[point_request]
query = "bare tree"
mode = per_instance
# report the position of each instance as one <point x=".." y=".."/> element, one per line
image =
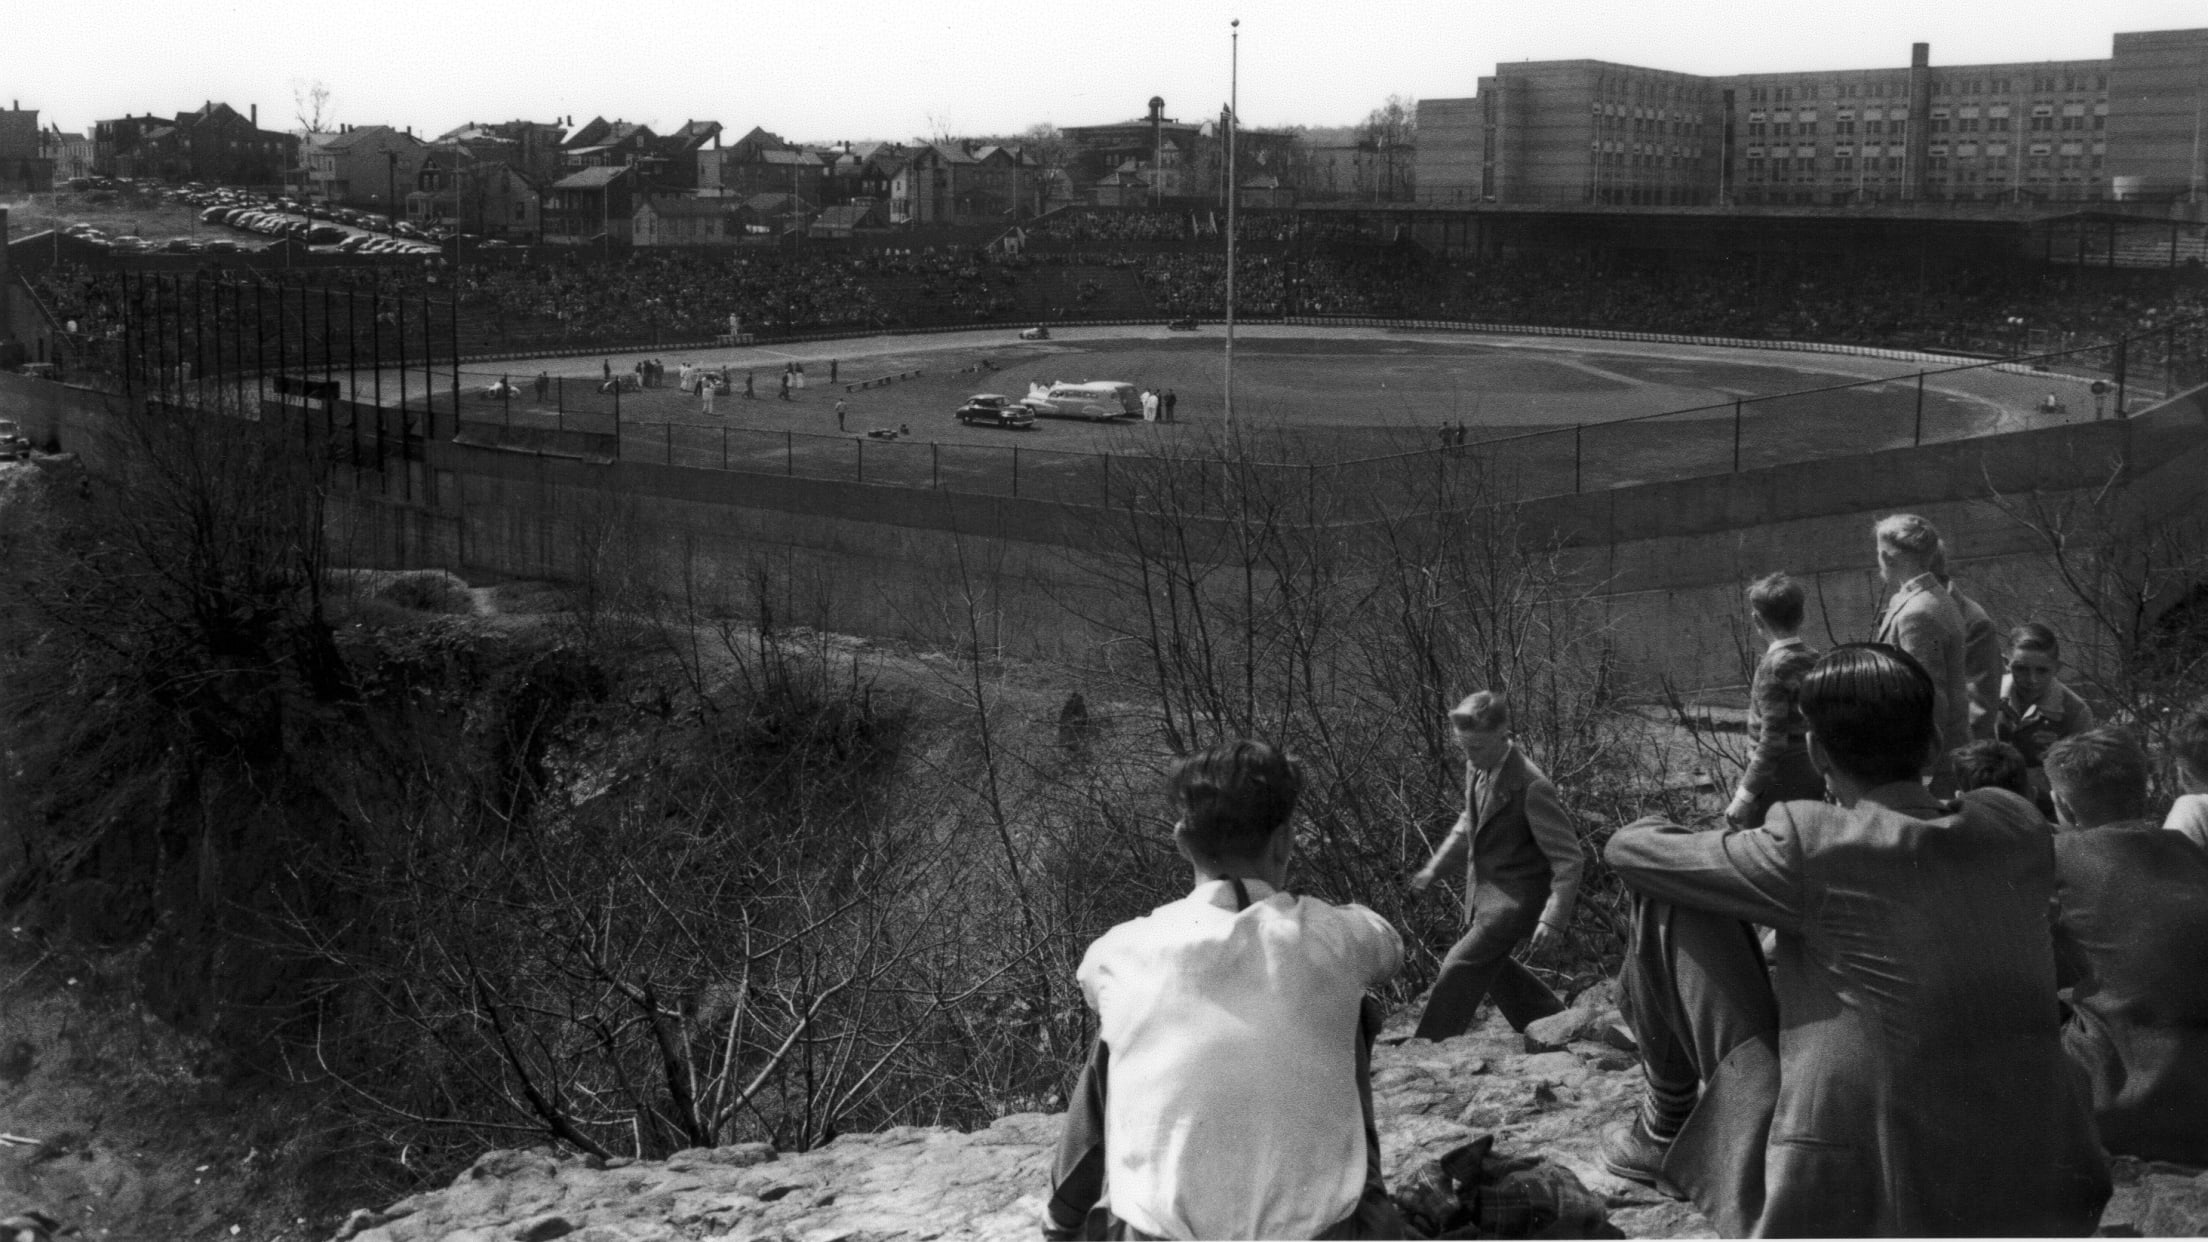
<point x="1047" y="148"/>
<point x="1388" y="138"/>
<point x="311" y="106"/>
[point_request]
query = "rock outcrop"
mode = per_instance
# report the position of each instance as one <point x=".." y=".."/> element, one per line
<point x="1548" y="1093"/>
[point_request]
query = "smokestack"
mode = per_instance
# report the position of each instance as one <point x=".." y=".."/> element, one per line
<point x="256" y="115"/>
<point x="1920" y="55"/>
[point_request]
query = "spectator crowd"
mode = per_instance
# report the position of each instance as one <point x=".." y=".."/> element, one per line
<point x="1940" y="964"/>
<point x="1116" y="266"/>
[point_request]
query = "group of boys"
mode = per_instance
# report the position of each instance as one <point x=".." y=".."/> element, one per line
<point x="1861" y="1007"/>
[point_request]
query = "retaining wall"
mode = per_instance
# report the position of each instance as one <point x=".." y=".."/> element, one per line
<point x="1668" y="559"/>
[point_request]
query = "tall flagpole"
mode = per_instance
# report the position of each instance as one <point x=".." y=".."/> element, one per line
<point x="1234" y="121"/>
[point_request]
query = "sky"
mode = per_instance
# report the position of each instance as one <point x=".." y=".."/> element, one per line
<point x="898" y="69"/>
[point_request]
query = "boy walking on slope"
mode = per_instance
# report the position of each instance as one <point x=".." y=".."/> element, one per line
<point x="1228" y="1095"/>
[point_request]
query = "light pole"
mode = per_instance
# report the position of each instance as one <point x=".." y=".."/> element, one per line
<point x="1234" y="122"/>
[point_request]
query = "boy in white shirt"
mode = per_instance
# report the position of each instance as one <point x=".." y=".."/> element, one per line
<point x="2189" y="755"/>
<point x="1235" y="1036"/>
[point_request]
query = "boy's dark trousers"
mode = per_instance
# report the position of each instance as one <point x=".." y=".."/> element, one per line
<point x="1479" y="965"/>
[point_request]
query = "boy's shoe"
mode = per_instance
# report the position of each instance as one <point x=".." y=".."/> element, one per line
<point x="1631" y="1152"/>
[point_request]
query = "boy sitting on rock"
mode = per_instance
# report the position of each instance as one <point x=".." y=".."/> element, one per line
<point x="1228" y="1095"/>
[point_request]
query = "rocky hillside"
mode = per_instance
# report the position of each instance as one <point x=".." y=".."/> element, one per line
<point x="1535" y="1097"/>
<point x="1550" y="1092"/>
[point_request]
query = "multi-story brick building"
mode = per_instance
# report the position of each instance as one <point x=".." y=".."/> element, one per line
<point x="1594" y="132"/>
<point x="214" y="143"/>
<point x="26" y="158"/>
<point x="1153" y="153"/>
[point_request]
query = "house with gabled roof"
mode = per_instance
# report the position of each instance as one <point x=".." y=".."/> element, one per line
<point x="368" y="166"/>
<point x="593" y="205"/>
<point x="678" y="153"/>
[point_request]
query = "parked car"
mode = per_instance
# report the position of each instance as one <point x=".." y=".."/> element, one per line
<point x="1036" y="333"/>
<point x="1095" y="399"/>
<point x="14" y="445"/>
<point x="1184" y="324"/>
<point x="995" y="410"/>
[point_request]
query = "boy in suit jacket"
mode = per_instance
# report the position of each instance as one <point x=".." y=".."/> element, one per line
<point x="1779" y="769"/>
<point x="1899" y="1067"/>
<point x="1522" y="865"/>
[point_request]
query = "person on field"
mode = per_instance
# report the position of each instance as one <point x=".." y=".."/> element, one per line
<point x="1779" y="769"/>
<point x="1228" y="1094"/>
<point x="2131" y="942"/>
<point x="1522" y="865"/>
<point x="1921" y="619"/>
<point x="1896" y="1067"/>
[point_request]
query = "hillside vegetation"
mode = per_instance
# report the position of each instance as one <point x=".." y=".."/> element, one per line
<point x="405" y="870"/>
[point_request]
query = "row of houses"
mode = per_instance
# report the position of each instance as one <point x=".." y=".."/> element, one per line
<point x="622" y="182"/>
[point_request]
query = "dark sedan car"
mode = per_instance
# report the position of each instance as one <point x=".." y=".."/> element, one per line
<point x="994" y="410"/>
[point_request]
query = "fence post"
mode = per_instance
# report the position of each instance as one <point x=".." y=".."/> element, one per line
<point x="935" y="464"/>
<point x="789" y="452"/>
<point x="559" y="395"/>
<point x="670" y="429"/>
<point x="724" y="448"/>
<point x="1106" y="459"/>
<point x="1578" y="455"/>
<point x="2123" y="358"/>
<point x="1015" y="470"/>
<point x="1736" y="435"/>
<point x="860" y="475"/>
<point x="1919" y="439"/>
<point x="505" y="398"/>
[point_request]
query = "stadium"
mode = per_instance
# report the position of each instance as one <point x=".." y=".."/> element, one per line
<point x="1568" y="355"/>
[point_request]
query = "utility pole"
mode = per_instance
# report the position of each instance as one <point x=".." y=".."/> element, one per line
<point x="1234" y="122"/>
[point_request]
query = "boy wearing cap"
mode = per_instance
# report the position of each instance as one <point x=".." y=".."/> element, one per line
<point x="1228" y="1094"/>
<point x="1522" y="865"/>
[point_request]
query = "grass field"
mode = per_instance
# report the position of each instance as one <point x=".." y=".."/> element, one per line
<point x="1551" y="412"/>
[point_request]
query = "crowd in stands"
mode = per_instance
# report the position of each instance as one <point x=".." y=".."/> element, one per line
<point x="1940" y="966"/>
<point x="651" y="297"/>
